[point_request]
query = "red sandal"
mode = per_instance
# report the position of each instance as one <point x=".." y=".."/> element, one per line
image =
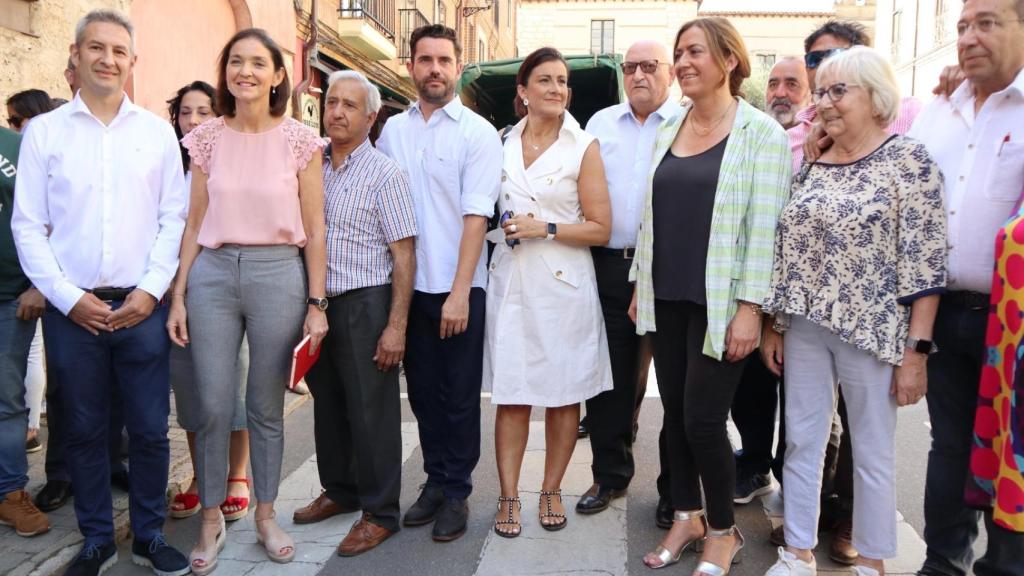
<point x="184" y="504"/>
<point x="235" y="507"/>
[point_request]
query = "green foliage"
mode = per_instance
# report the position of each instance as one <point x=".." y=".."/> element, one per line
<point x="754" y="86"/>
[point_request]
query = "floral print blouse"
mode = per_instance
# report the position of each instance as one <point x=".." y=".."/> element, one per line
<point x="858" y="243"/>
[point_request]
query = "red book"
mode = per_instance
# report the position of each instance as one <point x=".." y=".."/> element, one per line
<point x="302" y="361"/>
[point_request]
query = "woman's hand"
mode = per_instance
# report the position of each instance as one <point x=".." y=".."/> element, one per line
<point x="910" y="380"/>
<point x="521" y="226"/>
<point x="771" y="349"/>
<point x="742" y="334"/>
<point x="315" y="327"/>
<point x="177" y="327"/>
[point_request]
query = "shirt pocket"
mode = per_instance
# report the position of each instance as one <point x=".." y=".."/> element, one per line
<point x="443" y="168"/>
<point x="1006" y="177"/>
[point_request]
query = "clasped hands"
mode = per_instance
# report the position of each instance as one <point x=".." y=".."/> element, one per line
<point x="96" y="315"/>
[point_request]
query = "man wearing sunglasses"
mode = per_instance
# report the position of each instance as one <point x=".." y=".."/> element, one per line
<point x="626" y="132"/>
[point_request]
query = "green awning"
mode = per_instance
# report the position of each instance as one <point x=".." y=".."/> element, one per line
<point x="490" y="87"/>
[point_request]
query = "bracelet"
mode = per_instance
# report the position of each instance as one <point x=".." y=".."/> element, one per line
<point x="182" y="294"/>
<point x="754" y="308"/>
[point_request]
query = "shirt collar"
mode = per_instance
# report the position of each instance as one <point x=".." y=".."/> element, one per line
<point x="78" y="106"/>
<point x="453" y="108"/>
<point x="807" y="115"/>
<point x="668" y="109"/>
<point x="964" y="94"/>
<point x="360" y="150"/>
<point x="570" y="127"/>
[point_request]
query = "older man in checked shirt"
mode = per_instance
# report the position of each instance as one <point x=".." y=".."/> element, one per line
<point x="371" y="262"/>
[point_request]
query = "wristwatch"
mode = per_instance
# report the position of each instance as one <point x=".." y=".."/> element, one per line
<point x="320" y="303"/>
<point x="922" y="346"/>
<point x="552" y="230"/>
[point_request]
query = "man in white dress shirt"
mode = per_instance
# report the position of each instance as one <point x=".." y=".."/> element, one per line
<point x="626" y="132"/>
<point x="453" y="158"/>
<point x="98" y="214"/>
<point x="976" y="136"/>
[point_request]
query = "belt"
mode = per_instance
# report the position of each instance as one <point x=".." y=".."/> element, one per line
<point x="967" y="299"/>
<point x="110" y="294"/>
<point x="624" y="253"/>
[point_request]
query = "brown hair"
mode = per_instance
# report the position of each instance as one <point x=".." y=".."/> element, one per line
<point x="225" y="101"/>
<point x="723" y="41"/>
<point x="536" y="58"/>
<point x="434" y="31"/>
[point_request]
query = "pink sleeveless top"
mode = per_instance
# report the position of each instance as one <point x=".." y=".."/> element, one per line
<point x="253" y="182"/>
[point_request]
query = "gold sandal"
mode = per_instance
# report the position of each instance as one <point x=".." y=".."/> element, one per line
<point x="664" y="555"/>
<point x="512" y="500"/>
<point x="547" y="495"/>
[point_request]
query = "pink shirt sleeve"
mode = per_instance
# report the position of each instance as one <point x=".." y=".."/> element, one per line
<point x="201" y="142"/>
<point x="303" y="141"/>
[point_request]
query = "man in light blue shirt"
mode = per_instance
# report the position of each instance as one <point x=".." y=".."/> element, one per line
<point x="626" y="132"/>
<point x="454" y="159"/>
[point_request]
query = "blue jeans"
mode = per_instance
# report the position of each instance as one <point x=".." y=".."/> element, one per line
<point x="950" y="526"/>
<point x="134" y="361"/>
<point x="15" y="340"/>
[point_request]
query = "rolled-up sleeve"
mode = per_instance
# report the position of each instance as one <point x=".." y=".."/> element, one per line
<point x="481" y="177"/>
<point x="163" y="258"/>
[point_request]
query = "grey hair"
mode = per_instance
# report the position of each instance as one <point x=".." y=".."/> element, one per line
<point x="372" y="92"/>
<point x="872" y="71"/>
<point x="108" y="16"/>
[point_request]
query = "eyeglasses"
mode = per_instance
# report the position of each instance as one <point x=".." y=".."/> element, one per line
<point x="15" y="122"/>
<point x="647" y="66"/>
<point x="813" y="59"/>
<point x="984" y="25"/>
<point x="835" y="92"/>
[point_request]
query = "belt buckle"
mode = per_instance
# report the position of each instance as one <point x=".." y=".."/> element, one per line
<point x="628" y="253"/>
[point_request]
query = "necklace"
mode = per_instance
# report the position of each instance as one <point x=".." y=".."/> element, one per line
<point x="534" y="147"/>
<point x="702" y="132"/>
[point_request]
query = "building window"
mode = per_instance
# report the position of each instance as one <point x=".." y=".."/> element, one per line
<point x="941" y="16"/>
<point x="442" y="17"/>
<point x="766" y="61"/>
<point x="602" y="36"/>
<point x="897" y="34"/>
<point x="508" y="13"/>
<point x="497" y="20"/>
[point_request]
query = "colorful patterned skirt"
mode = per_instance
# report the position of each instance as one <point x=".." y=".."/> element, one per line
<point x="997" y="456"/>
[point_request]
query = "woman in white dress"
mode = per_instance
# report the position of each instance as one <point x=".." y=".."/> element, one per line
<point x="545" y="342"/>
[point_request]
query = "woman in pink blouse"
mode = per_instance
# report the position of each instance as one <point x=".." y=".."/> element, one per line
<point x="256" y="200"/>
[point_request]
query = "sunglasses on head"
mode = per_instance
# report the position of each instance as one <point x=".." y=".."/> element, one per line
<point x="15" y="122"/>
<point x="815" y="58"/>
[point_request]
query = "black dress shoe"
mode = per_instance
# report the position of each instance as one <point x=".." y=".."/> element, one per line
<point x="53" y="495"/>
<point x="426" y="506"/>
<point x="451" y="520"/>
<point x="120" y="480"/>
<point x="93" y="560"/>
<point x="597" y="499"/>
<point x="581" y="431"/>
<point x="663" y="514"/>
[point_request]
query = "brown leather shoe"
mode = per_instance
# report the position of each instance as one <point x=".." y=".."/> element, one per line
<point x="842" y="550"/>
<point x="778" y="535"/>
<point x="320" y="509"/>
<point x="363" y="536"/>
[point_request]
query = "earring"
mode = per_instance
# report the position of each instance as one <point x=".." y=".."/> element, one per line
<point x="526" y="102"/>
<point x="273" y="92"/>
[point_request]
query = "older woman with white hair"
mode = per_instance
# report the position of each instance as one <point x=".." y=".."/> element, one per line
<point x="860" y="258"/>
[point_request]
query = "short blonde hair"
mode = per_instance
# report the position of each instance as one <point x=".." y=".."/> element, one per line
<point x="867" y="68"/>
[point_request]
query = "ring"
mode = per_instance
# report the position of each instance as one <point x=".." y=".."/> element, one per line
<point x="512" y="228"/>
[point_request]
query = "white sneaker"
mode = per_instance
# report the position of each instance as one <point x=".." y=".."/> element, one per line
<point x="789" y="565"/>
<point x="859" y="570"/>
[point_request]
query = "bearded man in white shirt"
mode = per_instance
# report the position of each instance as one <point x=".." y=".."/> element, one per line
<point x="98" y="217"/>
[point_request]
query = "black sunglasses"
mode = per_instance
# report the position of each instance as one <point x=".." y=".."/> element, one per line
<point x="501" y="224"/>
<point x="814" y="59"/>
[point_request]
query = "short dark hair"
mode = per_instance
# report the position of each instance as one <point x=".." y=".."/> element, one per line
<point x="852" y="32"/>
<point x="435" y="31"/>
<point x="225" y="100"/>
<point x="30" y="103"/>
<point x="536" y="58"/>
<point x="174" y="110"/>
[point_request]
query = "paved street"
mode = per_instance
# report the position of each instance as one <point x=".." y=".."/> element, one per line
<point x="610" y="543"/>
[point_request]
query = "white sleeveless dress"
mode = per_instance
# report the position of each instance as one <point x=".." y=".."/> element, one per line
<point x="544" y="341"/>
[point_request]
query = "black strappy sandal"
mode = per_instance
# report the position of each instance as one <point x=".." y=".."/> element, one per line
<point x="548" y="494"/>
<point x="510" y="521"/>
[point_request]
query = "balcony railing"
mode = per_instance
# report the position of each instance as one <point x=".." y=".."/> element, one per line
<point x="409" y="19"/>
<point x="378" y="13"/>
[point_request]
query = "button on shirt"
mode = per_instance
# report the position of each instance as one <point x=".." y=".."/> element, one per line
<point x="627" y="149"/>
<point x="368" y="206"/>
<point x="113" y="195"/>
<point x="982" y="161"/>
<point x="453" y="162"/>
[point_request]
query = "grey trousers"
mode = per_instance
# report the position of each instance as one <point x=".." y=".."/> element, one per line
<point x="357" y="409"/>
<point x="259" y="291"/>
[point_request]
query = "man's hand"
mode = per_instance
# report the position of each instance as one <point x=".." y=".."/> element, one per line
<point x="742" y="334"/>
<point x="315" y="327"/>
<point x="31" y="305"/>
<point x="137" y="307"/>
<point x="390" y="348"/>
<point x="910" y="381"/>
<point x="454" y="315"/>
<point x="816" y="143"/>
<point x="949" y="80"/>
<point x="91" y="313"/>
<point x="771" y="349"/>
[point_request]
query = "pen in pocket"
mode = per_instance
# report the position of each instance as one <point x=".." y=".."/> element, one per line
<point x="1006" y="139"/>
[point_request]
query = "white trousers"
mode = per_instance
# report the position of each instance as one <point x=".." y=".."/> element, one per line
<point x="35" y="378"/>
<point x="816" y="361"/>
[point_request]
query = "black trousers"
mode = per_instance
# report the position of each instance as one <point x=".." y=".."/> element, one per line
<point x="444" y="379"/>
<point x="357" y="409"/>
<point x="610" y="414"/>
<point x="753" y="412"/>
<point x="696" y="392"/>
<point x="950" y="527"/>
